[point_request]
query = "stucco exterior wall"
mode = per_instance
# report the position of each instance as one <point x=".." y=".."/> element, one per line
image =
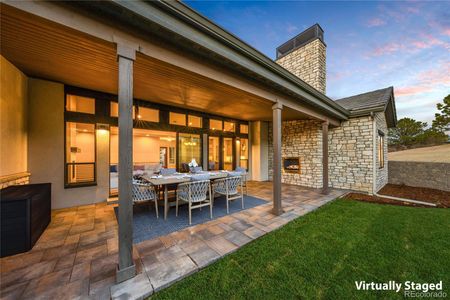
<point x="259" y="144"/>
<point x="308" y="63"/>
<point x="13" y="121"/>
<point x="302" y="139"/>
<point x="351" y="155"/>
<point x="46" y="147"/>
<point x="381" y="175"/>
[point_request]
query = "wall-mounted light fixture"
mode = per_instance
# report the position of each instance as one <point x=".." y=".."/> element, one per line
<point x="102" y="128"/>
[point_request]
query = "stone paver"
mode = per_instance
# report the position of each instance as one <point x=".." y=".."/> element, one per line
<point x="76" y="256"/>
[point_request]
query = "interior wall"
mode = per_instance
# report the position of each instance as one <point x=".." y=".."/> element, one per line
<point x="13" y="119"/>
<point x="46" y="147"/>
<point x="145" y="149"/>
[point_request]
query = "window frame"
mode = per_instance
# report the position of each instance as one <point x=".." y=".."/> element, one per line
<point x="195" y="116"/>
<point x="179" y="113"/>
<point x="103" y="115"/>
<point x="380" y="145"/>
<point x="215" y="129"/>
<point x="66" y="94"/>
<point x="230" y="122"/>
<point x="240" y="128"/>
<point x="68" y="185"/>
<point x="137" y="113"/>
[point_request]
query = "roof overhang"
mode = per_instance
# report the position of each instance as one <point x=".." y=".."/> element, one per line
<point x="181" y="26"/>
<point x="388" y="109"/>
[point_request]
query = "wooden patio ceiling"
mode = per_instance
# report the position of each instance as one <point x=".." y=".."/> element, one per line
<point x="47" y="50"/>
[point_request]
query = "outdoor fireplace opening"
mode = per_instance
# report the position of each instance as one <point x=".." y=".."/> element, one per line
<point x="291" y="164"/>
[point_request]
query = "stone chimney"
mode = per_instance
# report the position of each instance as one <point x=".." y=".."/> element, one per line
<point x="305" y="56"/>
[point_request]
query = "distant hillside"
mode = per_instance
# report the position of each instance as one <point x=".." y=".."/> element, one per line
<point x="428" y="154"/>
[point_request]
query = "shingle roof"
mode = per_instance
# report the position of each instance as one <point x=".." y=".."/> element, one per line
<point x="367" y="100"/>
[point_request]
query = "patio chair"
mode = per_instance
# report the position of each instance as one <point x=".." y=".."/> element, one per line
<point x="229" y="188"/>
<point x="184" y="168"/>
<point x="196" y="169"/>
<point x="143" y="192"/>
<point x="195" y="193"/>
<point x="167" y="171"/>
<point x="244" y="177"/>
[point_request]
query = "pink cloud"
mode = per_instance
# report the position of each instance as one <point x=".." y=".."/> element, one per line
<point x="446" y="31"/>
<point x="387" y="49"/>
<point x="411" y="90"/>
<point x="375" y="22"/>
<point x="427" y="81"/>
<point x="426" y="41"/>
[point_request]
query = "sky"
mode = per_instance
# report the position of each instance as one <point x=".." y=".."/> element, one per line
<point x="370" y="45"/>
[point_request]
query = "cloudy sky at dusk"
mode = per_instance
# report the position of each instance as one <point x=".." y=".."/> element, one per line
<point x="370" y="45"/>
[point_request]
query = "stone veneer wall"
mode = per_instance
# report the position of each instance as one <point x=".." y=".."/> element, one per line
<point x="15" y="179"/>
<point x="308" y="63"/>
<point x="381" y="174"/>
<point x="303" y="139"/>
<point x="351" y="155"/>
<point x="420" y="174"/>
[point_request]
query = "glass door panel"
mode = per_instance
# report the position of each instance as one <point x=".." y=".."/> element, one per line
<point x="227" y="154"/>
<point x="190" y="148"/>
<point x="213" y="153"/>
<point x="242" y="153"/>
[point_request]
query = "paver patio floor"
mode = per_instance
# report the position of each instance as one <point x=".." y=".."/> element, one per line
<point x="76" y="256"/>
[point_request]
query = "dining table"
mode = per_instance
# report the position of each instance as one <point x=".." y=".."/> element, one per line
<point x="166" y="180"/>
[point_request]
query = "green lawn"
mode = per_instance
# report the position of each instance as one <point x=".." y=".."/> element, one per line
<point x="322" y="254"/>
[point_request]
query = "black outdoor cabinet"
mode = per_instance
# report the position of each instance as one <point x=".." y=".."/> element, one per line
<point x="25" y="213"/>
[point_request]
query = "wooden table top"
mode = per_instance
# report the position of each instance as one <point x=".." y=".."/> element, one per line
<point x="181" y="177"/>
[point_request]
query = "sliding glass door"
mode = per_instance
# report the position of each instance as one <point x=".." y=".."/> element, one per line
<point x="214" y="153"/>
<point x="189" y="149"/>
<point x="227" y="154"/>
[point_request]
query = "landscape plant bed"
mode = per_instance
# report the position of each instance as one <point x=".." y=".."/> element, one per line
<point x="440" y="198"/>
<point x="380" y="200"/>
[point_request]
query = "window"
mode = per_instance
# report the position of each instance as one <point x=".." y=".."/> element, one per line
<point x="194" y="121"/>
<point x="227" y="154"/>
<point x="177" y="119"/>
<point x="80" y="154"/>
<point x="380" y="149"/>
<point x="242" y="152"/>
<point x="229" y="126"/>
<point x="190" y="148"/>
<point x="243" y="128"/>
<point x="80" y="104"/>
<point x="215" y="124"/>
<point x="151" y="150"/>
<point x="114" y="110"/>
<point x="148" y="114"/>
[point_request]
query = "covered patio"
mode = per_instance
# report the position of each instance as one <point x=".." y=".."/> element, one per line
<point x="156" y="58"/>
<point x="77" y="254"/>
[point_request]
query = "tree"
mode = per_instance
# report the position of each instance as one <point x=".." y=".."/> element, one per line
<point x="441" y="120"/>
<point x="407" y="132"/>
<point x="431" y="136"/>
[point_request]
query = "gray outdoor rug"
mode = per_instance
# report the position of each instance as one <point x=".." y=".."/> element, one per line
<point x="146" y="226"/>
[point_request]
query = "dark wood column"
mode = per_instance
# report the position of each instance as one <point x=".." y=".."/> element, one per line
<point x="277" y="205"/>
<point x="325" y="189"/>
<point x="126" y="268"/>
